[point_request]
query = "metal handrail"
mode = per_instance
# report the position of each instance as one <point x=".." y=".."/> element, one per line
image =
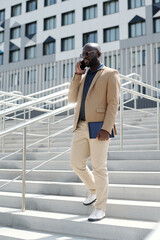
<point x="67" y="108"/>
<point x="33" y="102"/>
<point x="155" y="234"/>
<point x="23" y="126"/>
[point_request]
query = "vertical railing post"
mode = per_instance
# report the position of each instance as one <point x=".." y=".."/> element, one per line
<point x="158" y="127"/>
<point x="48" y="134"/>
<point x="121" y="120"/>
<point x="3" y="138"/>
<point x="24" y="170"/>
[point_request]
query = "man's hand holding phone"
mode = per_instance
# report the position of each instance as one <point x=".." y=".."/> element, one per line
<point x="80" y="68"/>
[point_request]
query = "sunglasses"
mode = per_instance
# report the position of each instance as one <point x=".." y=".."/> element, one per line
<point x="86" y="54"/>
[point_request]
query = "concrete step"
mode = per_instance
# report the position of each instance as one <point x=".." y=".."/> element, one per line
<point x="115" y="177"/>
<point x="113" y="142"/>
<point x="119" y="155"/>
<point x="8" y="233"/>
<point x="135" y="210"/>
<point x="116" y="191"/>
<point x="77" y="224"/>
<point x="113" y="165"/>
<point x="111" y="148"/>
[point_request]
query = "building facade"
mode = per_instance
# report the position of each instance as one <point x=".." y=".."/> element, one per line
<point x="41" y="40"/>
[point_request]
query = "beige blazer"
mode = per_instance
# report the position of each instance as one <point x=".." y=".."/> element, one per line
<point x="102" y="99"/>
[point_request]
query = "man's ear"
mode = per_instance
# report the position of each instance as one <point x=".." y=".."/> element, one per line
<point x="99" y="54"/>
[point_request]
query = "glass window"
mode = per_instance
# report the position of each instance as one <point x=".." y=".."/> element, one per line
<point x="2" y="15"/>
<point x="68" y="18"/>
<point x="135" y="3"/>
<point x="30" y="52"/>
<point x="111" y="34"/>
<point x="138" y="58"/>
<point x="90" y="12"/>
<point x="31" y="5"/>
<point x="49" y="2"/>
<point x="31" y="28"/>
<point x="49" y="48"/>
<point x="15" y="32"/>
<point x="90" y="37"/>
<point x="113" y="61"/>
<point x="30" y="76"/>
<point x="1" y="37"/>
<point x="16" y="10"/>
<point x="156" y="22"/>
<point x="50" y="23"/>
<point x="67" y="44"/>
<point x="110" y="7"/>
<point x="137" y="29"/>
<point x="49" y="73"/>
<point x="14" y="56"/>
<point x="1" y="58"/>
<point x="156" y="1"/>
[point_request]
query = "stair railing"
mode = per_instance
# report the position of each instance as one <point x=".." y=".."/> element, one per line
<point x="23" y="126"/>
<point x="136" y="94"/>
<point x="51" y="99"/>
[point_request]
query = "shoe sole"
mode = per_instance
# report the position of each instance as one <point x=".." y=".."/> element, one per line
<point x="95" y="220"/>
<point x="86" y="204"/>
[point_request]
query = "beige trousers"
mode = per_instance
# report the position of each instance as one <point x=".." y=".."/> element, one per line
<point x="81" y="149"/>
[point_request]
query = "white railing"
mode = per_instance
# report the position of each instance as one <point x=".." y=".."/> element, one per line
<point x="155" y="234"/>
<point x="24" y="126"/>
<point x="66" y="108"/>
<point x="136" y="94"/>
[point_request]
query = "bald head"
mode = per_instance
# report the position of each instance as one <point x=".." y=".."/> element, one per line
<point x="94" y="46"/>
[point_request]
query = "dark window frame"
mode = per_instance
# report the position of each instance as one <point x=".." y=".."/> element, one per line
<point x="20" y="4"/>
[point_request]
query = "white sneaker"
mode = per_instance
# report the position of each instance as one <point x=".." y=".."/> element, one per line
<point x="90" y="199"/>
<point x="96" y="215"/>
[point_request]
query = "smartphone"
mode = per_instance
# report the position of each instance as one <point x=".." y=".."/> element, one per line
<point x="83" y="65"/>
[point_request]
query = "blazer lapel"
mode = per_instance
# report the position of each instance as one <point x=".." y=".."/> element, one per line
<point x="95" y="79"/>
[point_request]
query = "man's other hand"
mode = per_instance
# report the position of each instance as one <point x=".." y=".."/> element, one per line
<point x="103" y="135"/>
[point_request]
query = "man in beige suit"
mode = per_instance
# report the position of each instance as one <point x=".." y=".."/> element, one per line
<point x="97" y="95"/>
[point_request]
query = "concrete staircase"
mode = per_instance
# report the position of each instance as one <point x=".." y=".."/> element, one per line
<point x="54" y="208"/>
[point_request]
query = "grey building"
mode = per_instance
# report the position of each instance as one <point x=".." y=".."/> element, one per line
<point x="41" y="40"/>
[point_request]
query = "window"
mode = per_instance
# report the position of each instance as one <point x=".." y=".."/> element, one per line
<point x="31" y="28"/>
<point x="16" y="10"/>
<point x="30" y="52"/>
<point x="156" y="1"/>
<point x="1" y="37"/>
<point x="138" y="58"/>
<point x="49" y="74"/>
<point x="90" y="37"/>
<point x="30" y="76"/>
<point x="90" y="12"/>
<point x="14" y="56"/>
<point x="110" y="7"/>
<point x="31" y="5"/>
<point x="49" y="48"/>
<point x="135" y="3"/>
<point x="157" y="55"/>
<point x="15" y="32"/>
<point x="137" y="29"/>
<point x="1" y="58"/>
<point x="68" y="18"/>
<point x="112" y="61"/>
<point x="111" y="34"/>
<point x="2" y="15"/>
<point x="49" y="2"/>
<point x="49" y="23"/>
<point x="67" y="44"/>
<point x="156" y="25"/>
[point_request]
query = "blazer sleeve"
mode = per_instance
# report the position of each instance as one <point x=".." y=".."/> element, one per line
<point x="112" y="98"/>
<point x="74" y="88"/>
